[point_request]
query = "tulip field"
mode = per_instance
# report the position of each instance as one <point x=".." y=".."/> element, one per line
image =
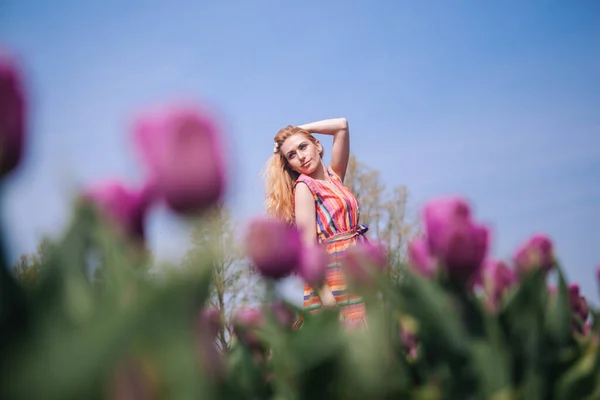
<point x="461" y="325"/>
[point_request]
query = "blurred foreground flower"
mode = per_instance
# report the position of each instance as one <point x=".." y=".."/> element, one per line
<point x="364" y="256"/>
<point x="206" y="329"/>
<point x="274" y="247"/>
<point x="12" y="114"/>
<point x="497" y="278"/>
<point x="284" y="315"/>
<point x="181" y="148"/>
<point x="313" y="265"/>
<point x="578" y="302"/>
<point x="453" y="239"/>
<point x="536" y="252"/>
<point x="246" y="321"/>
<point x="420" y="258"/>
<point x="125" y="208"/>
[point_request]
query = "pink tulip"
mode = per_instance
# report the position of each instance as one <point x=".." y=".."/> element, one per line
<point x="420" y="259"/>
<point x="181" y="148"/>
<point x="123" y="207"/>
<point x="536" y="252"/>
<point x="454" y="239"/>
<point x="274" y="247"/>
<point x="313" y="265"/>
<point x="13" y="129"/>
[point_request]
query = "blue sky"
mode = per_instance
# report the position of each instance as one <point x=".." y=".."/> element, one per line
<point x="495" y="101"/>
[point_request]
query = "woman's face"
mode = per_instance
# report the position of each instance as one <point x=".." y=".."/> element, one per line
<point x="301" y="153"/>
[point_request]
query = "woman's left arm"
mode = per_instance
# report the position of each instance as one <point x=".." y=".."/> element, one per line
<point x="340" y="152"/>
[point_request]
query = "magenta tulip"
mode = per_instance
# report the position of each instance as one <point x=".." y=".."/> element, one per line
<point x="454" y="239"/>
<point x="284" y="315"/>
<point x="210" y="318"/>
<point x="124" y="207"/>
<point x="181" y="148"/>
<point x="498" y="277"/>
<point x="246" y="321"/>
<point x="207" y="327"/>
<point x="364" y="259"/>
<point x="313" y="265"/>
<point x="536" y="252"/>
<point x="12" y="114"/>
<point x="274" y="247"/>
<point x="578" y="302"/>
<point x="420" y="259"/>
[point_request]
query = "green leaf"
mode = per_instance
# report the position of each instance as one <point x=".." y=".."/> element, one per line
<point x="74" y="357"/>
<point x="494" y="377"/>
<point x="439" y="327"/>
<point x="558" y="320"/>
<point x="581" y="380"/>
<point x="522" y="320"/>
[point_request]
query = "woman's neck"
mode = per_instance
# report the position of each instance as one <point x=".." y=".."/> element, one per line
<point x="320" y="173"/>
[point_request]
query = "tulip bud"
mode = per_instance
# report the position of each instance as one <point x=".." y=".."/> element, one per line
<point x="364" y="257"/>
<point x="284" y="315"/>
<point x="12" y="115"/>
<point x="420" y="259"/>
<point x="123" y="207"/>
<point x="498" y="277"/>
<point x="274" y="247"/>
<point x="181" y="148"/>
<point x="246" y="321"/>
<point x="536" y="252"/>
<point x="454" y="239"/>
<point x="313" y="265"/>
<point x="206" y="329"/>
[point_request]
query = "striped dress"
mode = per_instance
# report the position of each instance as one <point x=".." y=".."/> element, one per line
<point x="338" y="229"/>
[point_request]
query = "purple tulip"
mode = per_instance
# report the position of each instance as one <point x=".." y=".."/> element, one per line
<point x="284" y="315"/>
<point x="498" y="277"/>
<point x="181" y="148"/>
<point x="12" y="115"/>
<point x="454" y="239"/>
<point x="420" y="259"/>
<point x="211" y="320"/>
<point x="536" y="252"/>
<point x="363" y="259"/>
<point x="274" y="247"/>
<point x="206" y="329"/>
<point x="410" y="341"/>
<point x="124" y="207"/>
<point x="246" y="321"/>
<point x="313" y="265"/>
<point x="578" y="302"/>
<point x="376" y="254"/>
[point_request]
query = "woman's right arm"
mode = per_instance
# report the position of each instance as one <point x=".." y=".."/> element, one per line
<point x="305" y="212"/>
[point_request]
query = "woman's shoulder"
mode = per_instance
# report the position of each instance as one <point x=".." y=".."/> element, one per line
<point x="308" y="181"/>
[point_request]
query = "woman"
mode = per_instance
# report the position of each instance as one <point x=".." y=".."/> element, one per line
<point x="303" y="191"/>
